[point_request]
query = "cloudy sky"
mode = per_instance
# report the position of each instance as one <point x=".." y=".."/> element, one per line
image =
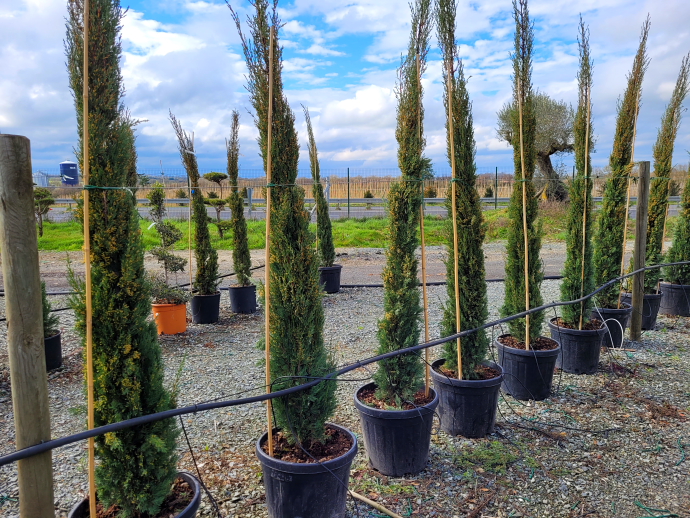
<point x="340" y="61"/>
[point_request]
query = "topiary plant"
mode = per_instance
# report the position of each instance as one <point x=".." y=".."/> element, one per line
<point x="169" y="235"/>
<point x="50" y="320"/>
<point x="218" y="179"/>
<point x="43" y="199"/>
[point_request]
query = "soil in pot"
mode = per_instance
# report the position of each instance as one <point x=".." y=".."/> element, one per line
<point x="528" y="373"/>
<point x="397" y="441"/>
<point x="650" y="308"/>
<point x="307" y="489"/>
<point x="329" y="278"/>
<point x="467" y="407"/>
<point x="616" y="321"/>
<point x="53" y="348"/>
<point x="676" y="299"/>
<point x="242" y="298"/>
<point x="205" y="308"/>
<point x="580" y="349"/>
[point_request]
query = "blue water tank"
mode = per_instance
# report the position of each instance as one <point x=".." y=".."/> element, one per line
<point x="69" y="174"/>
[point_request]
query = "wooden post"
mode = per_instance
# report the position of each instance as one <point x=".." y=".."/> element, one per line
<point x="267" y="291"/>
<point x="524" y="215"/>
<point x="640" y="251"/>
<point x="19" y="246"/>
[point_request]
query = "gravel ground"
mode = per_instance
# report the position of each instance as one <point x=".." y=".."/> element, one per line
<point x="598" y="446"/>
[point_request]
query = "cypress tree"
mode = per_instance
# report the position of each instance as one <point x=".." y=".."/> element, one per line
<point x="523" y="94"/>
<point x="324" y="234"/>
<point x="240" y="252"/>
<point x="206" y="279"/>
<point x="578" y="273"/>
<point x="136" y="466"/>
<point x="470" y="260"/>
<point x="399" y="378"/>
<point x="296" y="323"/>
<point x="680" y="249"/>
<point x="609" y="240"/>
<point x="663" y="164"/>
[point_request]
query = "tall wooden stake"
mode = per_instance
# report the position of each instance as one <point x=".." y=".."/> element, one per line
<point x="639" y="256"/>
<point x="458" y="319"/>
<point x="24" y="325"/>
<point x="524" y="215"/>
<point x="189" y="242"/>
<point x="584" y="211"/>
<point x="269" y="165"/>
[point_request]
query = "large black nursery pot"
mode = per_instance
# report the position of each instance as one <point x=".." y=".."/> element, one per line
<point x="243" y="298"/>
<point x="676" y="299"/>
<point x="467" y="407"/>
<point x="53" y="348"/>
<point x="650" y="308"/>
<point x="612" y="317"/>
<point x="580" y="349"/>
<point x="297" y="490"/>
<point x="81" y="510"/>
<point x="397" y="441"/>
<point x="329" y="278"/>
<point x="528" y="374"/>
<point x="205" y="308"/>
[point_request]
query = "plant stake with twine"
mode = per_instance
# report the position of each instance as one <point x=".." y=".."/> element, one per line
<point x="524" y="214"/>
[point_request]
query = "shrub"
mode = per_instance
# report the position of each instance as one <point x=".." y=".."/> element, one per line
<point x="489" y="192"/>
<point x="43" y="199"/>
<point x="182" y="195"/>
<point x="50" y="320"/>
<point x="430" y="192"/>
<point x="680" y="249"/>
<point x="212" y="195"/>
<point x="368" y="194"/>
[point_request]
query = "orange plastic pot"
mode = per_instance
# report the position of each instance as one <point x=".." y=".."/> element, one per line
<point x="170" y="318"/>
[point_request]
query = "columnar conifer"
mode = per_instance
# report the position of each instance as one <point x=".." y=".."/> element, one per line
<point x="680" y="249"/>
<point x="136" y="466"/>
<point x="470" y="260"/>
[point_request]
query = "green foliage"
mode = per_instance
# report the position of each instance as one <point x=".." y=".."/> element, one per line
<point x="296" y="323"/>
<point x="324" y="235"/>
<point x="216" y="178"/>
<point x="136" y="467"/>
<point x="492" y="456"/>
<point x="368" y="194"/>
<point x="43" y="199"/>
<point x="609" y="239"/>
<point x="50" y="320"/>
<point x="430" y="192"/>
<point x="399" y="378"/>
<point x="143" y="180"/>
<point x="680" y="249"/>
<point x="169" y="235"/>
<point x="212" y="195"/>
<point x="156" y="197"/>
<point x="489" y="192"/>
<point x="660" y="185"/>
<point x="578" y="271"/>
<point x="515" y="261"/>
<point x="470" y="260"/>
<point x="163" y="293"/>
<point x="181" y="193"/>
<point x="219" y="205"/>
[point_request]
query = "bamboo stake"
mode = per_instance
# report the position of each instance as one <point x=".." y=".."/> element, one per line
<point x="458" y="319"/>
<point x="524" y="215"/>
<point x="269" y="165"/>
<point x="87" y="266"/>
<point x="427" y="370"/>
<point x="189" y="188"/>
<point x="584" y="211"/>
<point x="376" y="506"/>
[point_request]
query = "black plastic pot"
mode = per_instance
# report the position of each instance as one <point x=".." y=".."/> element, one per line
<point x="467" y="407"/>
<point x="329" y="278"/>
<point x="676" y="299"/>
<point x="205" y="308"/>
<point x="614" y="336"/>
<point x="53" y="348"/>
<point x="317" y="490"/>
<point x="580" y="349"/>
<point x="527" y="374"/>
<point x="243" y="298"/>
<point x="650" y="308"/>
<point x="81" y="510"/>
<point x="397" y="441"/>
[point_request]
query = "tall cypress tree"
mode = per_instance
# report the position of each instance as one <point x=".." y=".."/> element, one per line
<point x="609" y="239"/>
<point x="663" y="164"/>
<point x="523" y="94"/>
<point x="136" y="466"/>
<point x="399" y="378"/>
<point x="470" y="260"/>
<point x="680" y="249"/>
<point x="296" y="323"/>
<point x="578" y="273"/>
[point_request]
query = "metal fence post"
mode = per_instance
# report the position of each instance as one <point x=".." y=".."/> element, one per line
<point x="348" y="192"/>
<point x="496" y="191"/>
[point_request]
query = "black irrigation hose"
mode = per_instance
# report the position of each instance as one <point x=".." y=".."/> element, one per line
<point x="138" y="421"/>
<point x="442" y="283"/>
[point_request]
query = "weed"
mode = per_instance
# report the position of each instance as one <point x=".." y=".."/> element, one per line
<point x="492" y="456"/>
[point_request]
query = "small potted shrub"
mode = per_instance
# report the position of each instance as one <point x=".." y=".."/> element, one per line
<point x="169" y="306"/>
<point x="329" y="273"/>
<point x="242" y="294"/>
<point x="206" y="299"/>
<point x="468" y="400"/>
<point x="527" y="358"/>
<point x="43" y="199"/>
<point x="295" y="484"/>
<point x="580" y="337"/>
<point x="52" y="336"/>
<point x="395" y="406"/>
<point x="676" y="299"/>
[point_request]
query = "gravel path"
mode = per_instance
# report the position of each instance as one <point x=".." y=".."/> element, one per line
<point x="546" y="459"/>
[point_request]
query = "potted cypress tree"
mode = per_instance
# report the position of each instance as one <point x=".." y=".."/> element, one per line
<point x="468" y="399"/>
<point x="395" y="413"/>
<point x="609" y="239"/>
<point x="658" y="197"/>
<point x="329" y="273"/>
<point x="52" y="336"/>
<point x="206" y="301"/>
<point x="580" y="337"/>
<point x="295" y="484"/>
<point x="136" y="467"/>
<point x="242" y="294"/>
<point x="527" y="358"/>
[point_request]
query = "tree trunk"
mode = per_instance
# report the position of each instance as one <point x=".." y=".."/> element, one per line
<point x="40" y="225"/>
<point x="555" y="189"/>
